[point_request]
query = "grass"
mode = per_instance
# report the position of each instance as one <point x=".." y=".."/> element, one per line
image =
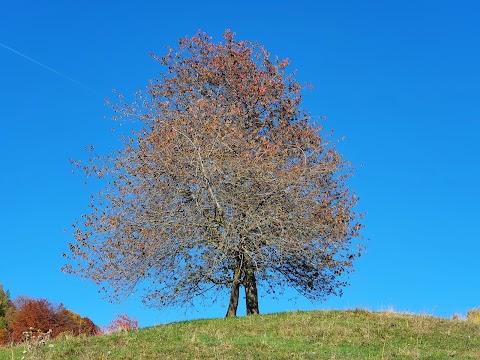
<point x="351" y="334"/>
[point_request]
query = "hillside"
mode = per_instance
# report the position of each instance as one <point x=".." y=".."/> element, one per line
<point x="352" y="334"/>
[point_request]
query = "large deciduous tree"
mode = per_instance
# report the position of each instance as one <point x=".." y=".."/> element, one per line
<point x="226" y="182"/>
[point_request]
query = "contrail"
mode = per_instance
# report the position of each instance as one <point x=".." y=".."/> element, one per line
<point x="47" y="67"/>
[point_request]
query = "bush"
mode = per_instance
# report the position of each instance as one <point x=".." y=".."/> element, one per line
<point x="122" y="322"/>
<point x="473" y="315"/>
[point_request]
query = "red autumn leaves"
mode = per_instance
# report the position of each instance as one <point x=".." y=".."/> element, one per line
<point x="40" y="314"/>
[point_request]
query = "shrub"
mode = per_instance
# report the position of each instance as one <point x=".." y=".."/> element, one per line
<point x="122" y="322"/>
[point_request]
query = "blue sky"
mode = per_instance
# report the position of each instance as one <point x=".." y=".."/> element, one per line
<point x="400" y="80"/>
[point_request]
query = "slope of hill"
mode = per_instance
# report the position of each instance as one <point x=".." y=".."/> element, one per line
<point x="351" y="334"/>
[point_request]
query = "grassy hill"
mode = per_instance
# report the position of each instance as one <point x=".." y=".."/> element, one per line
<point x="352" y="334"/>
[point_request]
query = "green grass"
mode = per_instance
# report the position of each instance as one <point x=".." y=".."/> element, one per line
<point x="352" y="334"/>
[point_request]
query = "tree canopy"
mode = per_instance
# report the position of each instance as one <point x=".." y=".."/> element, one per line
<point x="41" y="314"/>
<point x="225" y="182"/>
<point x="24" y="314"/>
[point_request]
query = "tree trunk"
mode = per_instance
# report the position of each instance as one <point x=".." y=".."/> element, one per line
<point x="250" y="284"/>
<point x="233" y="305"/>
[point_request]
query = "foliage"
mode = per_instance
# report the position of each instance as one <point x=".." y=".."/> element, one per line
<point x="228" y="183"/>
<point x="353" y="334"/>
<point x="6" y="306"/>
<point x="42" y="315"/>
<point x="122" y="322"/>
<point x="88" y="327"/>
<point x="5" y="302"/>
<point x="69" y="321"/>
<point x="473" y="315"/>
<point x="4" y="337"/>
<point x="37" y="314"/>
<point x="6" y="309"/>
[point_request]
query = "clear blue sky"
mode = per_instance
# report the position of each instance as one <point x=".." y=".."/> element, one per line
<point x="400" y="80"/>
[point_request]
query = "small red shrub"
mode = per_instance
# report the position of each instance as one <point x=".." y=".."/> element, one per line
<point x="122" y="322"/>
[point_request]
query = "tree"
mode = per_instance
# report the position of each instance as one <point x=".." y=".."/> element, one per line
<point x="225" y="182"/>
<point x="41" y="314"/>
<point x="6" y="308"/>
<point x="5" y="305"/>
<point x="88" y="327"/>
<point x="31" y="313"/>
<point x="68" y="321"/>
